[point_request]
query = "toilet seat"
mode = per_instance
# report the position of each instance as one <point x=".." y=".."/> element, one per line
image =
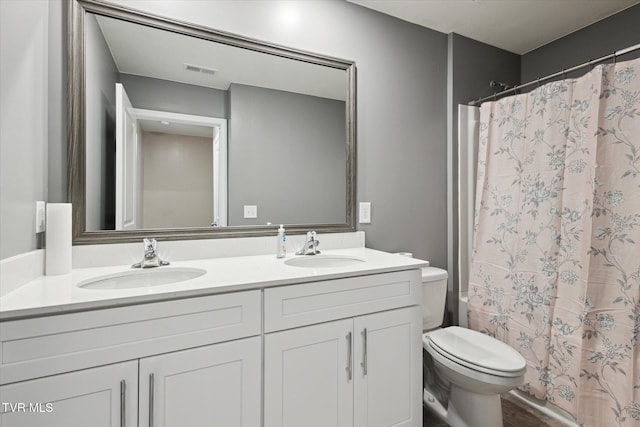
<point x="476" y="351"/>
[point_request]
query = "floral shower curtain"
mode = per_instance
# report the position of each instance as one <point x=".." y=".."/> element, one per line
<point x="555" y="270"/>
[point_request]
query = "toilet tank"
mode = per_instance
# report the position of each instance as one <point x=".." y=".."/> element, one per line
<point x="434" y="296"/>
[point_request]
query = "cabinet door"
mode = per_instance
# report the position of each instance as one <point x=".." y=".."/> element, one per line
<point x="98" y="397"/>
<point x="388" y="374"/>
<point x="308" y="376"/>
<point x="216" y="385"/>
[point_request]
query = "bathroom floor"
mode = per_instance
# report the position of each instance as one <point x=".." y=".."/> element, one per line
<point x="514" y="414"/>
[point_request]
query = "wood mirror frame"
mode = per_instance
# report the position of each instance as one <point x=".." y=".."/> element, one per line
<point x="76" y="172"/>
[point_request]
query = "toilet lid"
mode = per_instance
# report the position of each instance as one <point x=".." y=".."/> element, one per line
<point x="478" y="350"/>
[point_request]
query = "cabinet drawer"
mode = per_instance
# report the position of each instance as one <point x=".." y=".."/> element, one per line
<point x="298" y="305"/>
<point x="37" y="347"/>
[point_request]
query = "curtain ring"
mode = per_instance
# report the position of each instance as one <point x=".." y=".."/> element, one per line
<point x="538" y="81"/>
<point x="564" y="75"/>
<point x="614" y="57"/>
<point x="590" y="65"/>
<point x="515" y="89"/>
<point x="495" y="96"/>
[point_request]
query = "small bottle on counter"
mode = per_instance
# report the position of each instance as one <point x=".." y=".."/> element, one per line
<point x="281" y="249"/>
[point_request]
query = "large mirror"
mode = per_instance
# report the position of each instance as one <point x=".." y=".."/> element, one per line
<point x="180" y="132"/>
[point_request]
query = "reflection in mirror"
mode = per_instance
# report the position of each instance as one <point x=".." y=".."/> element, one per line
<point x="185" y="127"/>
<point x="170" y="169"/>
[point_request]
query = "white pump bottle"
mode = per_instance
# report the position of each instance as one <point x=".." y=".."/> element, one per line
<point x="281" y="248"/>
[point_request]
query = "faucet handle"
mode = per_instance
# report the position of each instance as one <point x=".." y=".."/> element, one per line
<point x="151" y="258"/>
<point x="150" y="246"/>
<point x="310" y="245"/>
<point x="313" y="243"/>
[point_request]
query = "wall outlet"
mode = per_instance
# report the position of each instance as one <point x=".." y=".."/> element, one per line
<point x="40" y="216"/>
<point x="365" y="213"/>
<point x="250" y="211"/>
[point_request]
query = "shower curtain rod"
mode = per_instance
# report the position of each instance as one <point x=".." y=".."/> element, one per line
<point x="551" y="76"/>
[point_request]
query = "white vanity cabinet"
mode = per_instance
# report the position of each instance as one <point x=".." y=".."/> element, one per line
<point x="365" y="370"/>
<point x="99" y="397"/>
<point x="307" y="380"/>
<point x="388" y="375"/>
<point x="204" y="355"/>
<point x="217" y="385"/>
<point x="343" y="351"/>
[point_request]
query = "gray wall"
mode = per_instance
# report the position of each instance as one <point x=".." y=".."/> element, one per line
<point x="163" y="95"/>
<point x="24" y="74"/>
<point x="402" y="107"/>
<point x="472" y="65"/>
<point x="595" y="41"/>
<point x="401" y="118"/>
<point x="101" y="76"/>
<point x="287" y="155"/>
<point x="57" y="103"/>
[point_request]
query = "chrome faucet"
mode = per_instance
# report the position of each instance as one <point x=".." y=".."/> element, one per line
<point x="310" y="245"/>
<point x="151" y="258"/>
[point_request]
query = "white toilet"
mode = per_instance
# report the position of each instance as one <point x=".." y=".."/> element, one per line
<point x="477" y="367"/>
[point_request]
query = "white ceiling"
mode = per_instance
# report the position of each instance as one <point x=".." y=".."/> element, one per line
<point x="173" y="128"/>
<point x="150" y="52"/>
<point x="518" y="26"/>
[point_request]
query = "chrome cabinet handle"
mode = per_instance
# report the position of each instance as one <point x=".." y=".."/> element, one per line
<point x="364" y="352"/>
<point x="151" y="400"/>
<point x="349" y="356"/>
<point x="123" y="403"/>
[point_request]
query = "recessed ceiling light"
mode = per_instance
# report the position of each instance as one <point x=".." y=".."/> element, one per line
<point x="164" y="122"/>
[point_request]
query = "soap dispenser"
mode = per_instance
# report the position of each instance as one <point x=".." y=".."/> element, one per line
<point x="281" y="248"/>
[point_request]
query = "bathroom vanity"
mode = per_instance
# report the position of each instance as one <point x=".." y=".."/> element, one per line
<point x="252" y="342"/>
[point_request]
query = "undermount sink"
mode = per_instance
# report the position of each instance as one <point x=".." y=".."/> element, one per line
<point x="142" y="278"/>
<point x="323" y="261"/>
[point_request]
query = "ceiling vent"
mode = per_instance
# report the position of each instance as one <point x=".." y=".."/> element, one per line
<point x="199" y="69"/>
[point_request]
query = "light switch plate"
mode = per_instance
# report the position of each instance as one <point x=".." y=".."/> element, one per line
<point x="40" y="216"/>
<point x="365" y="213"/>
<point x="250" y="211"/>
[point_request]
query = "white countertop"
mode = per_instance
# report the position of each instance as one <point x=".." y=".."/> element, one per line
<point x="49" y="295"/>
